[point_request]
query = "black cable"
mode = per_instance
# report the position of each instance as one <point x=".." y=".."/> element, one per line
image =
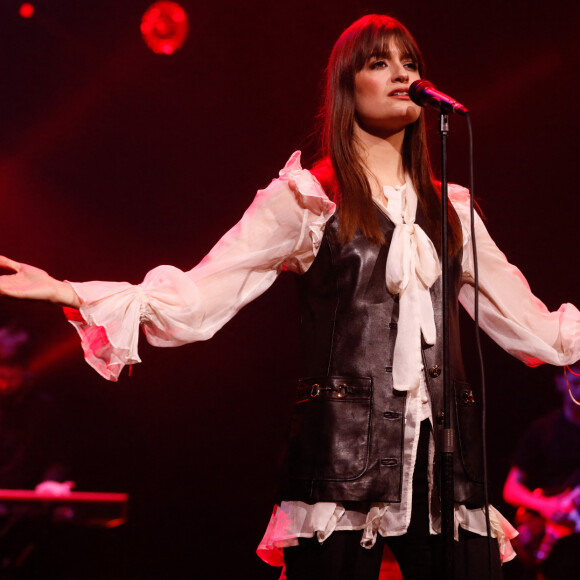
<point x="478" y="346"/>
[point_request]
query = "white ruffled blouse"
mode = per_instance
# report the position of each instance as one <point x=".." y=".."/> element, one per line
<point x="282" y="230"/>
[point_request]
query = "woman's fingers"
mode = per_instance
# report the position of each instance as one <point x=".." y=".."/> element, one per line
<point x="8" y="264"/>
<point x="24" y="281"/>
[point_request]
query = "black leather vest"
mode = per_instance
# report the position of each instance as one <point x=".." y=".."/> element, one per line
<point x="346" y="439"/>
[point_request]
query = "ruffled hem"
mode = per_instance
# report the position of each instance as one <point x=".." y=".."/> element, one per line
<point x="501" y="529"/>
<point x="282" y="532"/>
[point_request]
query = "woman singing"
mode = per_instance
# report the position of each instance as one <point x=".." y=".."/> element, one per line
<point x="363" y="231"/>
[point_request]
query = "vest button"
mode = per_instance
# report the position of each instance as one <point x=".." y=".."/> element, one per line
<point x="435" y="371"/>
<point x="440" y="417"/>
<point x="466" y="397"/>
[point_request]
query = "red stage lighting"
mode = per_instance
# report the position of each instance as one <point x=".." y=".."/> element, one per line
<point x="26" y="10"/>
<point x="164" y="27"/>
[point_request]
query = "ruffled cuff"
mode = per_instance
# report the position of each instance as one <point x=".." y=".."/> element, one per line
<point x="108" y="325"/>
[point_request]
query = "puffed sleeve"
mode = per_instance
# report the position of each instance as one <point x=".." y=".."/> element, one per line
<point x="508" y="310"/>
<point x="281" y="230"/>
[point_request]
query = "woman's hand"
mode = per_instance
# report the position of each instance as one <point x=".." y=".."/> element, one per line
<point x="28" y="282"/>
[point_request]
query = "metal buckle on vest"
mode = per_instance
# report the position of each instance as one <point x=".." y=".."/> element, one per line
<point x="340" y="390"/>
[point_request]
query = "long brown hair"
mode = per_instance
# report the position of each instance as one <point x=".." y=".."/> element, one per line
<point x="341" y="170"/>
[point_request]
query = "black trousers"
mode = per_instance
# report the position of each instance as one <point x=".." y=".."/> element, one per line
<point x="418" y="553"/>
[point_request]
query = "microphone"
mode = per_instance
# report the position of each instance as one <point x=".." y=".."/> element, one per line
<point x="424" y="94"/>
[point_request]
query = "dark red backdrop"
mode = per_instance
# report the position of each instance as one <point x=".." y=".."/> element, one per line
<point x="114" y="160"/>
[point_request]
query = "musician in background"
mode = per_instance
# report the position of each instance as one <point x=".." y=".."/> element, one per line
<point x="544" y="482"/>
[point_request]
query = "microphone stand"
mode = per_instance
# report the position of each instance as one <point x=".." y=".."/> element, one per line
<point x="447" y="443"/>
<point x="424" y="94"/>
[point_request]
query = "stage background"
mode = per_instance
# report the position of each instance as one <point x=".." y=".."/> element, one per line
<point x="114" y="160"/>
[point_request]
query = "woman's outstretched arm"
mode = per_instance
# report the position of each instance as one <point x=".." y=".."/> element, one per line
<point x="282" y="229"/>
<point x="509" y="312"/>
<point x="28" y="282"/>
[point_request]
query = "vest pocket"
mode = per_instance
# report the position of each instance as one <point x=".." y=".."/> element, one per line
<point x="330" y="429"/>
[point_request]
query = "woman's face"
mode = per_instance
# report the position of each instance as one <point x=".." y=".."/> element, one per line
<point x="381" y="90"/>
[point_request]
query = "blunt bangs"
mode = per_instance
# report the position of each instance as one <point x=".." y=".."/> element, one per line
<point x="373" y="36"/>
